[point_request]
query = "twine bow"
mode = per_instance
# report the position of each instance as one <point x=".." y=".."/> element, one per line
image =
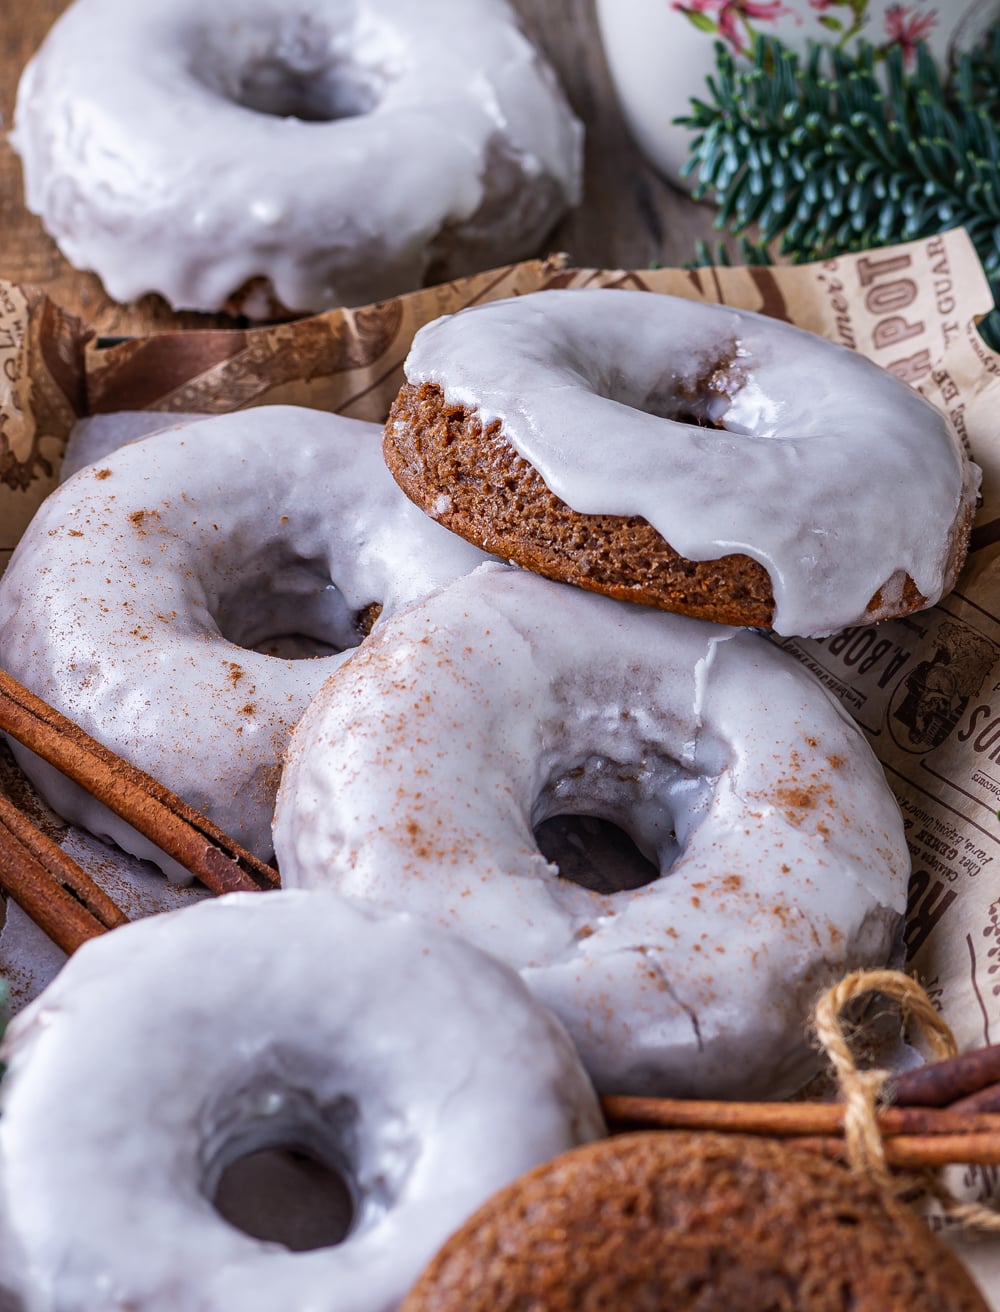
<point x="862" y="1089"/>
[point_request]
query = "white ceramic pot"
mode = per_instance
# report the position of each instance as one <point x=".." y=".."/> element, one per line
<point x="661" y="51"/>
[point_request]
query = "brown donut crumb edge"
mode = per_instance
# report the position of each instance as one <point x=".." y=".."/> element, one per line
<point x="688" y="1222"/>
<point x="473" y="481"/>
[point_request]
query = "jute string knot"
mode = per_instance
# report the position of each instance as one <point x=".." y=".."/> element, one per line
<point x="862" y="1090"/>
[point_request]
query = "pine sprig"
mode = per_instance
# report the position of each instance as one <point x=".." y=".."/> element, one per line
<point x="839" y="152"/>
<point x="976" y="79"/>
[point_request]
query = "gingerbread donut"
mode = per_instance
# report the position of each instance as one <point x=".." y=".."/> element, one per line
<point x="419" y="774"/>
<point x="332" y="152"/>
<point x="688" y="456"/>
<point x="177" y="1045"/>
<point x="693" y="1223"/>
<point x="158" y="597"/>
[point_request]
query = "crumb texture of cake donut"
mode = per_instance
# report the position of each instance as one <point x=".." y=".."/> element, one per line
<point x="417" y="779"/>
<point x="417" y="1068"/>
<point x="693" y="1223"/>
<point x="319" y="153"/>
<point x="695" y="457"/>
<point x="159" y="596"/>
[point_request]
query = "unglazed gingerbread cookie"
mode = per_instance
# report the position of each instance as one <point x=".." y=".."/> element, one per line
<point x="693" y="457"/>
<point x="693" y="1223"/>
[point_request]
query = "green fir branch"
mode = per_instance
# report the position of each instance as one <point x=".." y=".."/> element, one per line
<point x="749" y="252"/>
<point x="839" y="152"/>
<point x="976" y="80"/>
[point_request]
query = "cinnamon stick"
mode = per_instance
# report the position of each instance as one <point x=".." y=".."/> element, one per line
<point x="55" y="910"/>
<point x="917" y="1152"/>
<point x="158" y="814"/>
<point x="788" y="1119"/>
<point x="983" y="1100"/>
<point x="54" y="866"/>
<point x="914" y="1138"/>
<point x="944" y="1082"/>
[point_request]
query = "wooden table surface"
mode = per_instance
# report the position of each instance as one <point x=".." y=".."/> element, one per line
<point x="629" y="217"/>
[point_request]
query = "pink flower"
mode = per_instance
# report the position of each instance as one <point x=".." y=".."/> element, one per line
<point x="905" y="28"/>
<point x="730" y="14"/>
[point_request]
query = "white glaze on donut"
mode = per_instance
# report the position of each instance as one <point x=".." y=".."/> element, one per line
<point x="341" y="148"/>
<point x="273" y="521"/>
<point x="172" y="1046"/>
<point x="831" y="473"/>
<point x="417" y="775"/>
<point x="96" y="436"/>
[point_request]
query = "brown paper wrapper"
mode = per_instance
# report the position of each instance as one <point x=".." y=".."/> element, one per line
<point x="926" y="690"/>
<point x="43" y="391"/>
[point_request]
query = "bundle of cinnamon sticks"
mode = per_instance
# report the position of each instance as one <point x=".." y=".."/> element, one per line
<point x="51" y="888"/>
<point x="942" y="1113"/>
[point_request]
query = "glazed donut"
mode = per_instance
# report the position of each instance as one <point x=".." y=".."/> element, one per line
<point x="717" y="462"/>
<point x="192" y="1039"/>
<point x="418" y="775"/>
<point x="146" y="593"/>
<point x="693" y="1223"/>
<point x="95" y="436"/>
<point x="342" y="150"/>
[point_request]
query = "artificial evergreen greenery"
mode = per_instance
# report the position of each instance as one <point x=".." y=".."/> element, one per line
<point x="840" y="152"/>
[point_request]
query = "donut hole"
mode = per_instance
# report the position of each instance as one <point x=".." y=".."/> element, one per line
<point x="286" y="1195"/>
<point x="292" y="66"/>
<point x="701" y="398"/>
<point x="275" y="87"/>
<point x="594" y="853"/>
<point x="612" y="826"/>
<point x="284" y="1169"/>
<point x="293" y="610"/>
<point x="701" y="412"/>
